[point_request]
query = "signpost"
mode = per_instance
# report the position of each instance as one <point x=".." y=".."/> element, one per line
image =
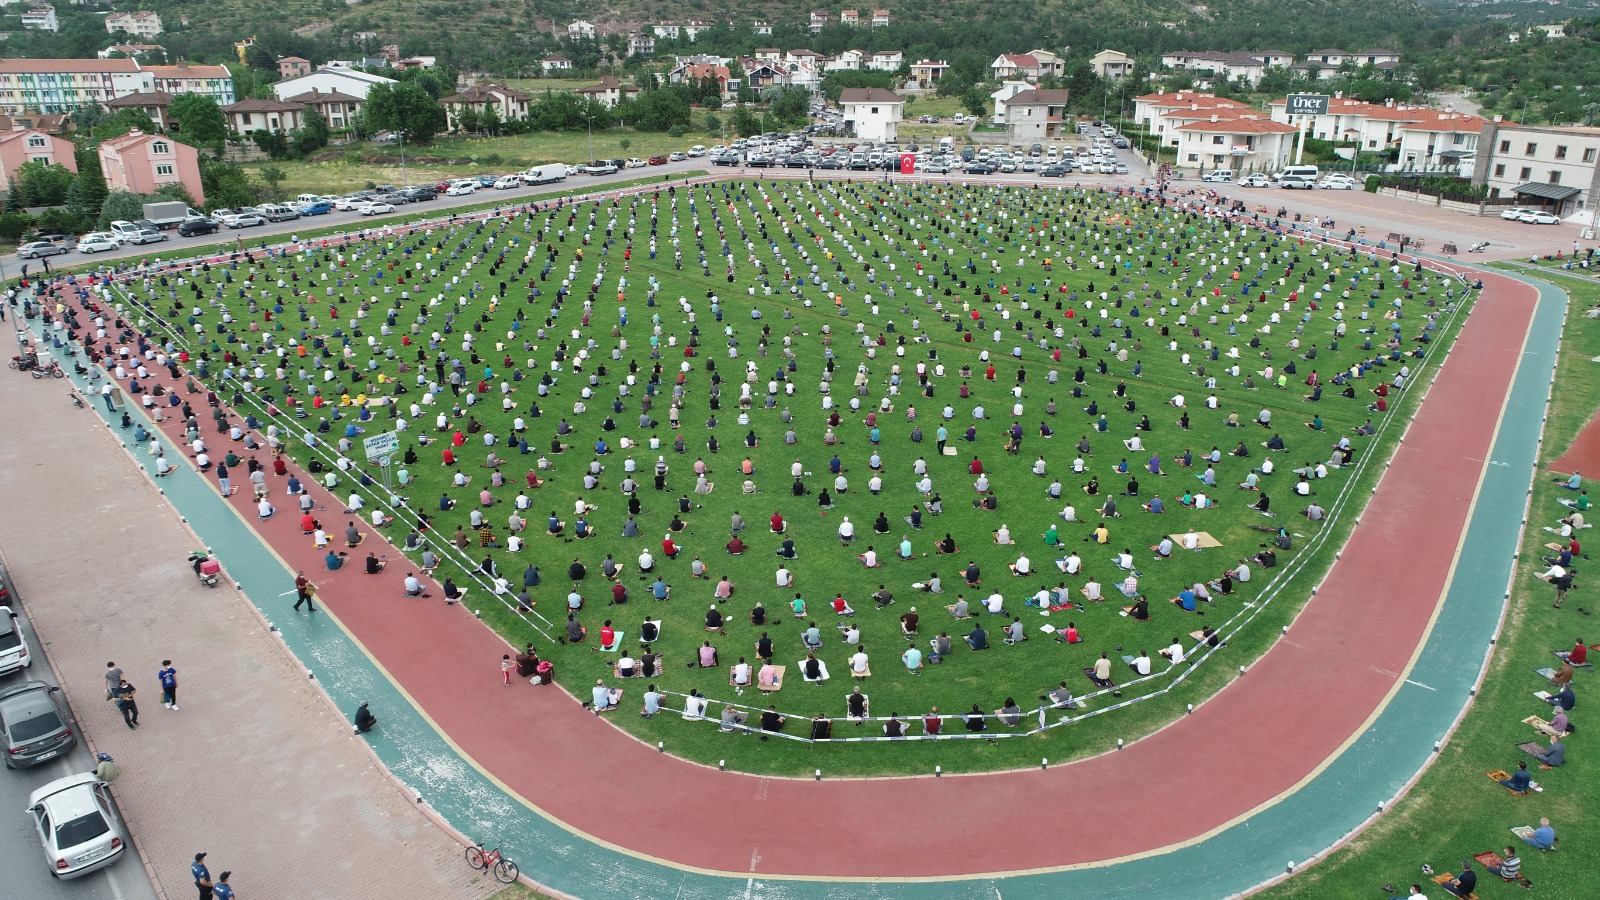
<point x="1305" y="107"/>
<point x="380" y="448"/>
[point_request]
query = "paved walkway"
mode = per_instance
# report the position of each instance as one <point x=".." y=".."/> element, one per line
<point x="257" y="768"/>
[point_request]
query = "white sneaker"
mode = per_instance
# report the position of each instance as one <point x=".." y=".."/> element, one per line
<point x="167" y="705"/>
<point x="174" y="707"/>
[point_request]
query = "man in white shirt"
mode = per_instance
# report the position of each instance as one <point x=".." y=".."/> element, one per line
<point x="1091" y="591"/>
<point x="1124" y="559"/>
<point x="741" y="673"/>
<point x="1191" y="541"/>
<point x="1141" y="663"/>
<point x="870" y="558"/>
<point x="1071" y="565"/>
<point x="1023" y="566"/>
<point x="858" y="661"/>
<point x="1174" y="653"/>
<point x="994" y="603"/>
<point x="847" y="530"/>
<point x="785" y="577"/>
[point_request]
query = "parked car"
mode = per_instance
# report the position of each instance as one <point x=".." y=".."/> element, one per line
<point x="377" y="207"/>
<point x="316" y="208"/>
<point x="657" y="160"/>
<point x="79" y="825"/>
<point x="14" y="655"/>
<point x="485" y="181"/>
<point x="1540" y="218"/>
<point x="459" y="189"/>
<point x="147" y="236"/>
<point x="633" y="163"/>
<point x="192" y="227"/>
<point x="1257" y="180"/>
<point x="244" y="220"/>
<point x="35" y="724"/>
<point x="419" y="194"/>
<point x="345" y="204"/>
<point x="1218" y="175"/>
<point x="599" y="167"/>
<point x="1516" y="213"/>
<point x="96" y="241"/>
<point x="1054" y="171"/>
<point x="507" y="183"/>
<point x="1338" y="183"/>
<point x="37" y="249"/>
<point x="696" y="151"/>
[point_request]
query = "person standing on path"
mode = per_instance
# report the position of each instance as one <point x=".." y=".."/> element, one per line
<point x="105" y="394"/>
<point x="169" y="685"/>
<point x="130" y="707"/>
<point x="303" y="590"/>
<point x="202" y="876"/>
<point x="113" y="676"/>
<point x="506" y="665"/>
<point x="224" y="890"/>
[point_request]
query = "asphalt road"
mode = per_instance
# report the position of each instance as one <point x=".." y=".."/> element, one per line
<point x="183" y="247"/>
<point x="27" y="874"/>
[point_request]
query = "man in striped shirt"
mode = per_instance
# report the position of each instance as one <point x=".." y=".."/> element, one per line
<point x="1510" y="869"/>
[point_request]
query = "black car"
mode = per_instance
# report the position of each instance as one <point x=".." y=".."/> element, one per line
<point x="829" y="162"/>
<point x="1055" y="171"/>
<point x="727" y="159"/>
<point x="797" y="162"/>
<point x="192" y="227"/>
<point x="979" y="168"/>
<point x="419" y="195"/>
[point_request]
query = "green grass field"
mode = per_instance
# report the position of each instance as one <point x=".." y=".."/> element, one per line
<point x="1454" y="811"/>
<point x="1187" y="277"/>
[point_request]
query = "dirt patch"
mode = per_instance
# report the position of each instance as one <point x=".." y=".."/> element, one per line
<point x="1584" y="454"/>
<point x="394" y="159"/>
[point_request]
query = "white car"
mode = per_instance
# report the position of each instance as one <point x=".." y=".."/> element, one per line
<point x="78" y="824"/>
<point x="376" y="208"/>
<point x="97" y="241"/>
<point x="635" y="163"/>
<point x="14" y="655"/>
<point x="1540" y="218"/>
<point x="1222" y="175"/>
<point x="244" y="220"/>
<point x="507" y="183"/>
<point x="459" y="189"/>
<point x="679" y="156"/>
<point x="1338" y="183"/>
<point x="697" y="150"/>
<point x="346" y="204"/>
<point x="1516" y="213"/>
<point x="1256" y="180"/>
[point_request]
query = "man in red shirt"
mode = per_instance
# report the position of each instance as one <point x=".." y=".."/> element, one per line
<point x="619" y="594"/>
<point x="977" y="466"/>
<point x="1579" y="654"/>
<point x="777" y="523"/>
<point x="932" y="722"/>
<point x="608" y="635"/>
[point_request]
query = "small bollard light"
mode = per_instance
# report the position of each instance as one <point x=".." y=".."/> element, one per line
<point x="1381" y="805"/>
<point x="1044" y="763"/>
<point x="937" y="771"/>
<point x="1241" y="670"/>
<point x="1119" y="743"/>
<point x="477" y="613"/>
<point x="310" y="675"/>
<point x="819" y="774"/>
<point x="1189" y="708"/>
<point x="722" y="765"/>
<point x="1290" y="868"/>
<point x="661" y="746"/>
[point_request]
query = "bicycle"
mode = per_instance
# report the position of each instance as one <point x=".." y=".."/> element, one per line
<point x="504" y="869"/>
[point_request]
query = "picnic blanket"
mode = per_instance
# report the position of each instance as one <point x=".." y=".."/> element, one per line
<point x="1207" y="542"/>
<point x="1523" y="831"/>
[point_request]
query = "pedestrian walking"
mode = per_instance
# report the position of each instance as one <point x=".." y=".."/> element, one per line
<point x="125" y="701"/>
<point x="224" y="890"/>
<point x="506" y="665"/>
<point x="169" y="685"/>
<point x="303" y="591"/>
<point x="202" y="876"/>
<point x="113" y="676"/>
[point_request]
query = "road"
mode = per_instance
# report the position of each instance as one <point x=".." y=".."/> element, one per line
<point x="27" y="876"/>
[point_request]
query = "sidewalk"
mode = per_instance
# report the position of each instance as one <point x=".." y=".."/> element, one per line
<point x="257" y="768"/>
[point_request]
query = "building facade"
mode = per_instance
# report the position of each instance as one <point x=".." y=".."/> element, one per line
<point x="141" y="163"/>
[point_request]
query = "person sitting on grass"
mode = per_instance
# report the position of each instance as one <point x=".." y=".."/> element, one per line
<point x="771" y="721"/>
<point x="978" y="639"/>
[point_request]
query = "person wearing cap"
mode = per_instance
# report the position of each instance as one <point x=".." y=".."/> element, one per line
<point x="202" y="875"/>
<point x="224" y="890"/>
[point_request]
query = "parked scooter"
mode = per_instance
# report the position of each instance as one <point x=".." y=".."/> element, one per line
<point x="208" y="570"/>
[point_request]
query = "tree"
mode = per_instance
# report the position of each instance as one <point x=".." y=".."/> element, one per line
<point x="200" y="122"/>
<point x="975" y="100"/>
<point x="40" y="184"/>
<point x="274" y="178"/>
<point x="466" y="119"/>
<point x="489" y="121"/>
<point x="225" y="184"/>
<point x="121" y="206"/>
<point x="416" y="113"/>
<point x="274" y="143"/>
<point x="124" y="121"/>
<point x="660" y="110"/>
<point x="745" y="122"/>
<point x="314" y="136"/>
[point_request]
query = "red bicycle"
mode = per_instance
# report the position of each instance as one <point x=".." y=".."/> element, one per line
<point x="504" y="869"/>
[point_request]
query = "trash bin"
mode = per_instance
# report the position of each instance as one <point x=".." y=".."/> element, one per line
<point x="546" y="672"/>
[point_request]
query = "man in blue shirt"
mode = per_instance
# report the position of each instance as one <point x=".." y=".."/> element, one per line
<point x="169" y="684"/>
<point x="202" y="876"/>
<point x="334" y="561"/>
<point x="224" y="890"/>
<point x="1543" y="837"/>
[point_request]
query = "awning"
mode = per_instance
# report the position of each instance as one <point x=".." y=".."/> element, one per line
<point x="1457" y="154"/>
<point x="1543" y="191"/>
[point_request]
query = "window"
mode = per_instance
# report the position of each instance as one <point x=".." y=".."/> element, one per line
<point x="36" y="141"/>
<point x="160" y="147"/>
<point x="1505" y="146"/>
<point x="164" y="169"/>
<point x="1561" y="151"/>
<point x="1555" y="177"/>
<point x="1458" y="139"/>
<point x="1527" y="172"/>
<point x="1588" y="155"/>
<point x="874" y="110"/>
<point x="1500" y="170"/>
<point x="1216" y="139"/>
<point x="1531" y="149"/>
<point x="1194" y="157"/>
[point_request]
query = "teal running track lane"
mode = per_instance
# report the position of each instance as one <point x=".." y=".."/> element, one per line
<point x="1328" y="806"/>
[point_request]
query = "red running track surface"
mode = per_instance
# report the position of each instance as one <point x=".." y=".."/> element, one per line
<point x="1319" y="685"/>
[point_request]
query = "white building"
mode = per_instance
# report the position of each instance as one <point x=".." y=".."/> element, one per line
<point x="580" y="31"/>
<point x="328" y="79"/>
<point x="555" y="63"/>
<point x="886" y="61"/>
<point x="1243" y="143"/>
<point x="143" y="24"/>
<point x="872" y="113"/>
<point x="41" y="18"/>
<point x="762" y="28"/>
<point x="1545" y="167"/>
<point x="1111" y="64"/>
<point x="848" y="61"/>
<point x="1008" y="89"/>
<point x="1035" y="115"/>
<point x="667" y="31"/>
<point x="641" y="44"/>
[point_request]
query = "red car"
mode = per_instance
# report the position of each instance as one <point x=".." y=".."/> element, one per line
<point x="657" y="160"/>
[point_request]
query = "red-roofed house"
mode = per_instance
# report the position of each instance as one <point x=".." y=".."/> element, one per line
<point x="1251" y="142"/>
<point x="140" y="163"/>
<point x="695" y="72"/>
<point x="1013" y="66"/>
<point x="293" y="67"/>
<point x="508" y="104"/>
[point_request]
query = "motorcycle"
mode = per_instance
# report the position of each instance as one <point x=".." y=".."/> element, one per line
<point x="53" y="370"/>
<point x="205" y="568"/>
<point x="1479" y="247"/>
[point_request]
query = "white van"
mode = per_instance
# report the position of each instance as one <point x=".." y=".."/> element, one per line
<point x="1218" y="175"/>
<point x="1303" y="177"/>
<point x="946" y="144"/>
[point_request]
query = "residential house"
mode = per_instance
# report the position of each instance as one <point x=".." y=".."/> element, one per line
<point x="610" y="90"/>
<point x="805" y="58"/>
<point x="1331" y="58"/>
<point x="1111" y="64"/>
<point x="215" y="82"/>
<point x="1556" y="168"/>
<point x="140" y="163"/>
<point x="293" y="67"/>
<point x="697" y="72"/>
<point x="768" y="54"/>
<point x="880" y="18"/>
<point x="761" y="28"/>
<point x="886" y="61"/>
<point x="248" y="116"/>
<point x="641" y="43"/>
<point x="581" y="31"/>
<point x="555" y="63"/>
<point x="667" y="31"/>
<point x="142" y="24"/>
<point x="926" y="73"/>
<point x="1247" y="142"/>
<point x="1014" y="65"/>
<point x="331" y="78"/>
<point x="64" y="85"/>
<point x="152" y="103"/>
<point x="848" y="61"/>
<point x="1374" y="127"/>
<point x="508" y="104"/>
<point x="1375" y="57"/>
<point x="872" y="113"/>
<point x="1037" y="115"/>
<point x="49" y="123"/>
<point x="415" y="62"/>
<point x="849" y="17"/>
<point x="337" y="109"/>
<point x="132" y="50"/>
<point x="819" y="20"/>
<point x="692" y="30"/>
<point x="41" y="18"/>
<point x="32" y="145"/>
<point x="1152" y="110"/>
<point x="1048" y="63"/>
<point x="1443" y="141"/>
<point x="1008" y="89"/>
<point x="1550" y="32"/>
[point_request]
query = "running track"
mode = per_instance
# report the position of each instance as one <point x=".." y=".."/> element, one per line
<point x="1312" y="692"/>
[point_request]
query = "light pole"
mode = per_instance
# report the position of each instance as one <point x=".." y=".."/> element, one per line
<point x="591" y="139"/>
<point x="405" y="179"/>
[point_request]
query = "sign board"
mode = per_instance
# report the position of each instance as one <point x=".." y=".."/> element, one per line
<point x="386" y="444"/>
<point x="1307" y="105"/>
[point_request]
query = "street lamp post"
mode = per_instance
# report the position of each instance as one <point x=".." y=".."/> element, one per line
<point x="591" y="139"/>
<point x="405" y="179"/>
